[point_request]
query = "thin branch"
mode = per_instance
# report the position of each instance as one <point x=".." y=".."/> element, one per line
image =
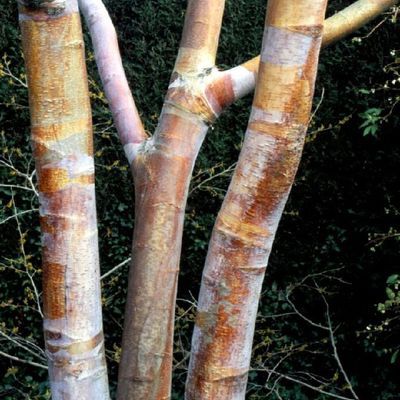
<point x="315" y="324"/>
<point x="108" y="59"/>
<point x="307" y="385"/>
<point x="12" y="340"/>
<point x="34" y="364"/>
<point x="116" y="268"/>
<point x="17" y="215"/>
<point x="243" y="77"/>
<point x="22" y="247"/>
<point x="335" y="351"/>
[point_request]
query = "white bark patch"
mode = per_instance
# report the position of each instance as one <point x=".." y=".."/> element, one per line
<point x="76" y="165"/>
<point x="243" y="81"/>
<point x="271" y="116"/>
<point x="131" y="151"/>
<point x="62" y="147"/>
<point x="284" y="47"/>
<point x="108" y="60"/>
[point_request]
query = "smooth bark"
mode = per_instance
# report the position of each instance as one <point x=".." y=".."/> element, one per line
<point x="162" y="169"/>
<point x="246" y="225"/>
<point x="240" y="81"/>
<point x="62" y="143"/>
<point x="105" y="46"/>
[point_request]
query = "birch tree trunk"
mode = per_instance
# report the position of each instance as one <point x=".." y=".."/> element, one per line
<point x="162" y="170"/>
<point x="240" y="81"/>
<point x="162" y="167"/>
<point x="62" y="143"/>
<point x="246" y="225"/>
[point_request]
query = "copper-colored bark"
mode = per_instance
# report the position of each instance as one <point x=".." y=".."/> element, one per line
<point x="336" y="27"/>
<point x="62" y="142"/>
<point x="247" y="223"/>
<point x="162" y="169"/>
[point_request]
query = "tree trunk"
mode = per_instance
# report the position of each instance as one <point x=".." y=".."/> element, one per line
<point x="62" y="143"/>
<point x="162" y="170"/>
<point x="246" y="225"/>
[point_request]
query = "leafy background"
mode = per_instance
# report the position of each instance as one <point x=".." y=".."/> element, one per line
<point x="337" y="250"/>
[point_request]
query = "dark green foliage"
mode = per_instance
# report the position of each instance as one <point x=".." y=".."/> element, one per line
<point x="343" y="215"/>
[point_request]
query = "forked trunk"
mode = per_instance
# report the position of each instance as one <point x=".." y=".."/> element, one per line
<point x="162" y="169"/>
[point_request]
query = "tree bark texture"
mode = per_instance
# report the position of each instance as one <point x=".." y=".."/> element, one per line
<point x="241" y="80"/>
<point x="63" y="150"/>
<point x="246" y="225"/>
<point x="162" y="168"/>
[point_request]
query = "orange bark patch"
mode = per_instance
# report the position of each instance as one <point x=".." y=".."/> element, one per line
<point x="248" y="232"/>
<point x="220" y="94"/>
<point x="193" y="102"/>
<point x="59" y="131"/>
<point x="202" y="24"/>
<point x="55" y="179"/>
<point x="51" y="103"/>
<point x="285" y="14"/>
<point x="54" y="290"/>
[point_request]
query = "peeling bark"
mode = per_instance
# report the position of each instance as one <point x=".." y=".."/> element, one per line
<point x="246" y="225"/>
<point x="243" y="77"/>
<point x="162" y="170"/>
<point x="162" y="167"/>
<point x="62" y="143"/>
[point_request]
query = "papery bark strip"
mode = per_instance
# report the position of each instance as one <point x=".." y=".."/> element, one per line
<point x="246" y="225"/>
<point x="162" y="171"/>
<point x="240" y="81"/>
<point x="108" y="59"/>
<point x="62" y="143"/>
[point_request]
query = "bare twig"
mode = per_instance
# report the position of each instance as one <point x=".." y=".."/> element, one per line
<point x="34" y="364"/>
<point x="307" y="385"/>
<point x="335" y="351"/>
<point x="116" y="268"/>
<point x="17" y="343"/>
<point x="22" y="247"/>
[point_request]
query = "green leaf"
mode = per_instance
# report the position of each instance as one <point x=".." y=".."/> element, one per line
<point x="392" y="279"/>
<point x="394" y="357"/>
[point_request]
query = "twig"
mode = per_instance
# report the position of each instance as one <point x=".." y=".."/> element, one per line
<point x="307" y="385"/>
<point x="23" y="361"/>
<point x="318" y="106"/>
<point x="37" y="296"/>
<point x="335" y="352"/>
<point x="20" y="345"/>
<point x="17" y="215"/>
<point x="315" y="324"/>
<point x="117" y="267"/>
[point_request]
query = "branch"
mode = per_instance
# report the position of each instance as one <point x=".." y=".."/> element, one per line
<point x="108" y="59"/>
<point x="335" y="352"/>
<point x="240" y="81"/>
<point x="23" y="361"/>
<point x="200" y="36"/>
<point x="112" y="270"/>
<point x="307" y="385"/>
<point x="12" y="340"/>
<point x="353" y="18"/>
